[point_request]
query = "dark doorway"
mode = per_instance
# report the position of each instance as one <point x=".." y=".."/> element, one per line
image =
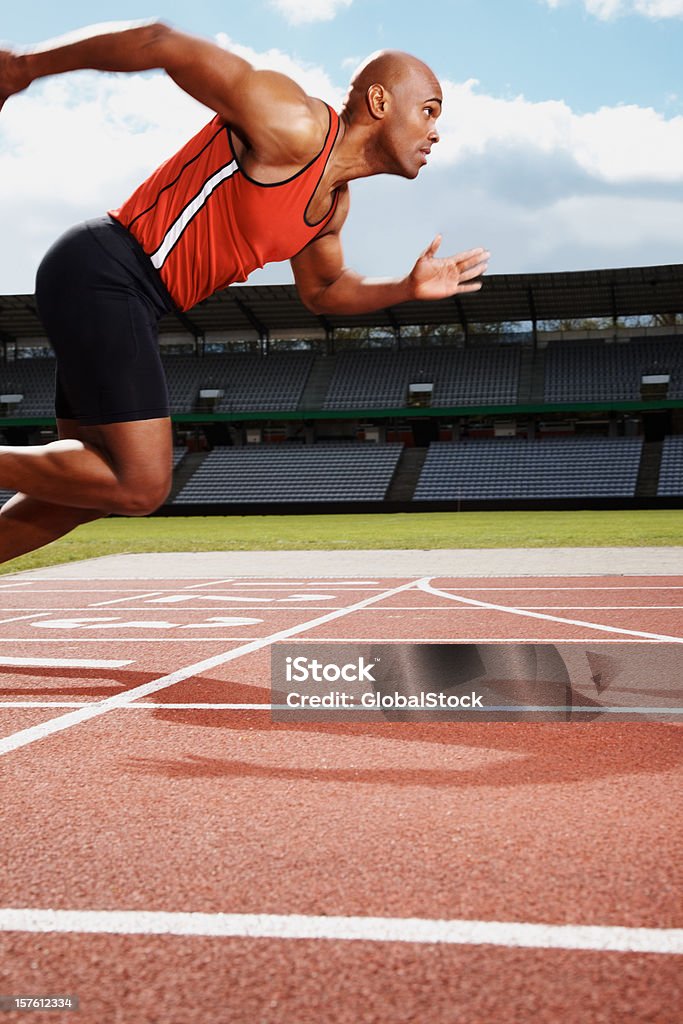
<point x="656" y="424"/>
<point x="425" y="431"/>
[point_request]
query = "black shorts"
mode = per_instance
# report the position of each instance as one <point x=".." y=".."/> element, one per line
<point x="100" y="301"/>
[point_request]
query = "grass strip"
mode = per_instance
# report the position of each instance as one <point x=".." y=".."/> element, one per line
<point x="417" y="530"/>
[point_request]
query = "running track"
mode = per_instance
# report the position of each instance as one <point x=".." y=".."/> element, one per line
<point x="171" y="855"/>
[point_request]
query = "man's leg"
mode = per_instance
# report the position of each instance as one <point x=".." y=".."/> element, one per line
<point x="27" y="524"/>
<point x="89" y="472"/>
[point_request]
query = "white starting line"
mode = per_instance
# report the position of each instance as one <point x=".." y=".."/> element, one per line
<point x="363" y="929"/>
<point x="61" y="662"/>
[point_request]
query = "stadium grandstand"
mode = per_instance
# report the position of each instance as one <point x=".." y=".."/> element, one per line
<point x="559" y="390"/>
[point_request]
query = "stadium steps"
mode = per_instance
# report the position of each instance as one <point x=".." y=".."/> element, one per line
<point x="407" y="474"/>
<point x="537" y="384"/>
<point x="184" y="472"/>
<point x="318" y="382"/>
<point x="648" y="472"/>
<point x="526" y="375"/>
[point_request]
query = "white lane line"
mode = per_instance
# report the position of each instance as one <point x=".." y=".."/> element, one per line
<point x="127" y="640"/>
<point x="193" y="609"/>
<point x="429" y="589"/>
<point x="20" y="618"/>
<point x="39" y="732"/>
<point x="668" y="586"/>
<point x="605" y="939"/>
<point x="181" y="598"/>
<point x="555" y="607"/>
<point x="586" y="641"/>
<point x="119" y="600"/>
<point x="214" y="583"/>
<point x="604" y="607"/>
<point x="204" y="639"/>
<point x="62" y="662"/>
<point x="145" y="706"/>
<point x="281" y="606"/>
<point x="637" y="709"/>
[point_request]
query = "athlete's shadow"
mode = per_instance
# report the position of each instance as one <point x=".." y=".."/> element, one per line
<point x="528" y="753"/>
<point x="40" y="682"/>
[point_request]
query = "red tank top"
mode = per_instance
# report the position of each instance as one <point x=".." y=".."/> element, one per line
<point x="205" y="223"/>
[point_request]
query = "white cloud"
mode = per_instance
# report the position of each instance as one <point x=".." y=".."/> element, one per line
<point x="607" y="9"/>
<point x="298" y="12"/>
<point x="614" y="144"/>
<point x="660" y="8"/>
<point x="310" y="77"/>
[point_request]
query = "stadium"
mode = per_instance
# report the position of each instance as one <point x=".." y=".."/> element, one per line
<point x="563" y="394"/>
<point x="376" y="719"/>
<point x="552" y="391"/>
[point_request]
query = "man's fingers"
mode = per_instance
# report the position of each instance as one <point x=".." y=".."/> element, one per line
<point x="474" y="270"/>
<point x="432" y="248"/>
<point x="473" y="258"/>
<point x="472" y="254"/>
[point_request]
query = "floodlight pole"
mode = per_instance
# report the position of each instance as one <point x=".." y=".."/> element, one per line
<point x="534" y="318"/>
<point x="395" y="326"/>
<point x="462" y="316"/>
<point x="192" y="329"/>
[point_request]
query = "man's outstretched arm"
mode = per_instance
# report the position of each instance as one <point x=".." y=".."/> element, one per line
<point x="325" y="285"/>
<point x="256" y="101"/>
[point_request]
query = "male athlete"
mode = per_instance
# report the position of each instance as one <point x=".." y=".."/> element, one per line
<point x="265" y="180"/>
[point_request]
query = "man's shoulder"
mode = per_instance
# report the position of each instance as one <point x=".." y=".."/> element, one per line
<point x="308" y="127"/>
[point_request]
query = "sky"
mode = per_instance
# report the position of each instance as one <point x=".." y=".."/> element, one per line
<point x="561" y="137"/>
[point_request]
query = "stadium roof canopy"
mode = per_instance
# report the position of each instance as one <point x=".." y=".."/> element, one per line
<point x="269" y="309"/>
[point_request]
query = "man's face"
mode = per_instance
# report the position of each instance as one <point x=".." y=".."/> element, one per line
<point x="409" y="128"/>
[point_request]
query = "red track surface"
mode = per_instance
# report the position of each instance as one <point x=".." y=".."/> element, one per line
<point x="220" y="811"/>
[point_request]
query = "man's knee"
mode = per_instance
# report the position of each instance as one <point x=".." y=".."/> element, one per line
<point x="141" y="499"/>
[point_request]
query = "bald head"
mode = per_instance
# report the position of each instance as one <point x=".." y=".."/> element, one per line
<point x="390" y="114"/>
<point x="388" y="69"/>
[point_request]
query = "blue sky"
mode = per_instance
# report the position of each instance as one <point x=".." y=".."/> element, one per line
<point x="511" y="46"/>
<point x="562" y="138"/>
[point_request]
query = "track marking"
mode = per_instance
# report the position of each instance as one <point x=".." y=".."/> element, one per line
<point x="221" y="620"/>
<point x="127" y="640"/>
<point x="193" y="609"/>
<point x="109" y="622"/>
<point x="282" y="606"/>
<point x="365" y="929"/>
<point x="214" y="583"/>
<point x="230" y="639"/>
<point x="20" y="618"/>
<point x="668" y="586"/>
<point x="39" y="732"/>
<point x="63" y="662"/>
<point x="118" y="600"/>
<point x="426" y="586"/>
<point x="150" y="706"/>
<point x="181" y="598"/>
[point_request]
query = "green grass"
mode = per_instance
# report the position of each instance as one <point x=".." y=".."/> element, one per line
<point x="405" y="530"/>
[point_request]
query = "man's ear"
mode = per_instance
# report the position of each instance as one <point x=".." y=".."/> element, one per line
<point x="376" y="99"/>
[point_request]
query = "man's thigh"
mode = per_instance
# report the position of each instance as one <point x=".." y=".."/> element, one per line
<point x="140" y="452"/>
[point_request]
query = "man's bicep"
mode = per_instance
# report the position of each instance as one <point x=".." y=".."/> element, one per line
<point x="318" y="266"/>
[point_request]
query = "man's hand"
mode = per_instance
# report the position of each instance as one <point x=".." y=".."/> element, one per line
<point x="327" y="286"/>
<point x="435" y="277"/>
<point x="12" y="77"/>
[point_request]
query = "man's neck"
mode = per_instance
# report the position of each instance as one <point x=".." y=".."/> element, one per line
<point x="354" y="155"/>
